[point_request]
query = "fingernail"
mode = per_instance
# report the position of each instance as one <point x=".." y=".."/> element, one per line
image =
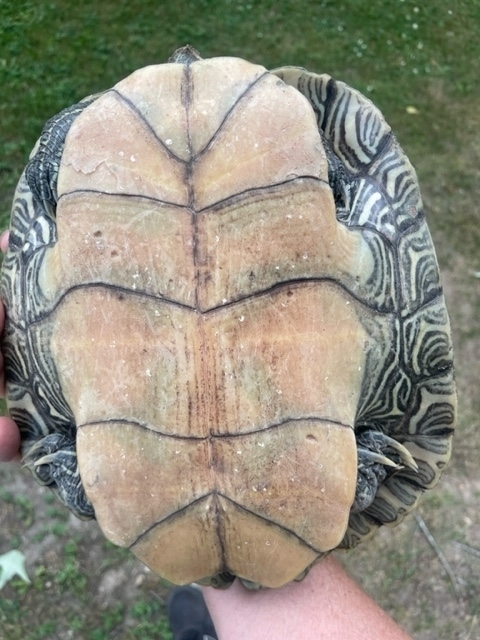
<point x="4" y="240"/>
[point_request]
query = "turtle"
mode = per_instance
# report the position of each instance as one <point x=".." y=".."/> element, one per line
<point x="226" y="335"/>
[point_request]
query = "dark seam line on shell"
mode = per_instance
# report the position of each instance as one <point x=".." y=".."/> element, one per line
<point x="139" y="425"/>
<point x="295" y="283"/>
<point x="174" y="436"/>
<point x="109" y="287"/>
<point x="272" y="522"/>
<point x="135" y="109"/>
<point x="386" y="139"/>
<point x="138" y="196"/>
<point x="266" y="187"/>
<point x="284" y="423"/>
<point x="220" y="530"/>
<point x="434" y="301"/>
<point x="147" y="124"/>
<point x="218" y="309"/>
<point x="256" y="294"/>
<point x="179" y="512"/>
<point x="171" y="516"/>
<point x="228" y="114"/>
<point x="188" y="207"/>
<point x="187" y="90"/>
<point x="366" y="230"/>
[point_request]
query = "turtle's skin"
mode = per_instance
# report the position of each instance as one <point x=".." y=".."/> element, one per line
<point x="226" y="335"/>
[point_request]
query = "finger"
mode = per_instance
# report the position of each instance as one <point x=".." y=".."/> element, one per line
<point x="4" y="241"/>
<point x="9" y="440"/>
<point x="3" y="386"/>
<point x="2" y="370"/>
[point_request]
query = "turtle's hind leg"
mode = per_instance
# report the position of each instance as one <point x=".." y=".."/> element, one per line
<point x="53" y="462"/>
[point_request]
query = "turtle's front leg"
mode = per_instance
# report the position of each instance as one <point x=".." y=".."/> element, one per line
<point x="378" y="456"/>
<point x="53" y="462"/>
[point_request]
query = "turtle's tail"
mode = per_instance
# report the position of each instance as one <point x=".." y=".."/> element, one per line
<point x="53" y="462"/>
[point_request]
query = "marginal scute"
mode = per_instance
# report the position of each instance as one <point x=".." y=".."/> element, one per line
<point x="420" y="277"/>
<point x="428" y="341"/>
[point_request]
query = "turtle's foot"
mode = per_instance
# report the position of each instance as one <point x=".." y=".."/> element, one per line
<point x="53" y="462"/>
<point x="378" y="456"/>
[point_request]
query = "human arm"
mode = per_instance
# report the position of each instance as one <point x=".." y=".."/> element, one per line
<point x="327" y="604"/>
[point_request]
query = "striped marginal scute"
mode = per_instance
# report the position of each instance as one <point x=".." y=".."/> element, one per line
<point x="425" y="476"/>
<point x="380" y="289"/>
<point x="23" y="214"/>
<point x="357" y="129"/>
<point x="428" y="342"/>
<point x="419" y="275"/>
<point x="436" y="419"/>
<point x="382" y="373"/>
<point x="24" y="411"/>
<point x="14" y="350"/>
<point x="37" y="297"/>
<point x="368" y="208"/>
<point x="395" y="176"/>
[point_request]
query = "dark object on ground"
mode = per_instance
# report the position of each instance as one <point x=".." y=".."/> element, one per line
<point x="188" y="615"/>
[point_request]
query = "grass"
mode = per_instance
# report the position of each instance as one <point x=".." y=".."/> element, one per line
<point x="54" y="53"/>
<point x="401" y="54"/>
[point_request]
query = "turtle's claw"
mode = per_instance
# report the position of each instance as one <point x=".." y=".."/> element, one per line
<point x="378" y="456"/>
<point x="407" y="460"/>
<point x="371" y="457"/>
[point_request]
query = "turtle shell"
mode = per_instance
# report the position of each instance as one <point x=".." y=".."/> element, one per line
<point x="226" y="336"/>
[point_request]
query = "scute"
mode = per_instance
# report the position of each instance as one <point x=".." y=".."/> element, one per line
<point x="234" y="307"/>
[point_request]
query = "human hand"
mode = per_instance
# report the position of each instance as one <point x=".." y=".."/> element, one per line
<point x="9" y="431"/>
